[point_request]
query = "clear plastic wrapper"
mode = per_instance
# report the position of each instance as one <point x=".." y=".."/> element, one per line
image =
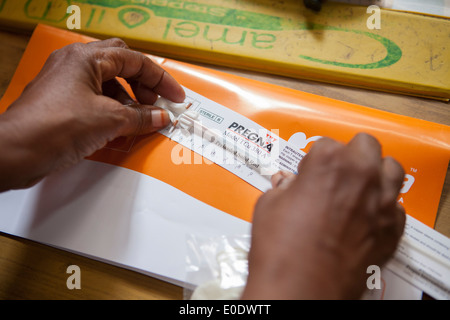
<point x="217" y="267"/>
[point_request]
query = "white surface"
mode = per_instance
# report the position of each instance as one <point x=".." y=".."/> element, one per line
<point x="423" y="259"/>
<point x="116" y="215"/>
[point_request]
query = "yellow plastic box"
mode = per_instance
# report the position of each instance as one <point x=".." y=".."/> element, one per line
<point x="409" y="54"/>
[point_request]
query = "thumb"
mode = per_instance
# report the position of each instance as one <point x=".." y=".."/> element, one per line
<point x="144" y="119"/>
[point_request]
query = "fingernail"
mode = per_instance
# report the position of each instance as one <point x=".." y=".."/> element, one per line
<point x="282" y="179"/>
<point x="160" y="118"/>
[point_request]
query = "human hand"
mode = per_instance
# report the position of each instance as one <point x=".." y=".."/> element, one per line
<point x="315" y="234"/>
<point x="75" y="106"/>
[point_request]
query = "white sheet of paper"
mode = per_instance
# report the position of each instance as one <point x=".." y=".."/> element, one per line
<point x="115" y="215"/>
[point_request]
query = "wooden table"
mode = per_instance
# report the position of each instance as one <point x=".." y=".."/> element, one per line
<point x="29" y="270"/>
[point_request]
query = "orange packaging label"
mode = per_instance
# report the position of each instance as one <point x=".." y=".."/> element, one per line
<point x="423" y="148"/>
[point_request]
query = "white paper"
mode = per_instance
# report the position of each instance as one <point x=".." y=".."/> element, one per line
<point x="423" y="259"/>
<point x="115" y="215"/>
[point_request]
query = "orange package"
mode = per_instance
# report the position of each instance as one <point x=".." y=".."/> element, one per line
<point x="423" y="148"/>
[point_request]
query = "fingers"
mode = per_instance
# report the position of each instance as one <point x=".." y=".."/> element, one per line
<point x="400" y="219"/>
<point x="366" y="148"/>
<point x="362" y="153"/>
<point x="282" y="179"/>
<point x="112" y="42"/>
<point x="362" y="144"/>
<point x="147" y="79"/>
<point x="391" y="180"/>
<point x="391" y="183"/>
<point x="143" y="119"/>
<point x="325" y="145"/>
<point x="320" y="153"/>
<point x="116" y="91"/>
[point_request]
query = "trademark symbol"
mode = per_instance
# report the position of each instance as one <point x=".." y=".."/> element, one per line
<point x="413" y="170"/>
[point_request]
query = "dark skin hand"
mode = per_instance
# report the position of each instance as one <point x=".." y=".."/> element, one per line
<point x="75" y="106"/>
<point x="314" y="234"/>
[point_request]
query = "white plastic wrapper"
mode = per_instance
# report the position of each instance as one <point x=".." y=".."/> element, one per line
<point x="217" y="267"/>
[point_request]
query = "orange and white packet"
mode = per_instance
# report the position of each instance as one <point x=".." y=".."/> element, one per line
<point x="423" y="148"/>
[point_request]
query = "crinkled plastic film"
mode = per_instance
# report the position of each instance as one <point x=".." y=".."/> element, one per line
<point x="216" y="267"/>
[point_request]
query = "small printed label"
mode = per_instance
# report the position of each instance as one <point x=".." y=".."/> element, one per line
<point x="211" y="116"/>
<point x="233" y="142"/>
